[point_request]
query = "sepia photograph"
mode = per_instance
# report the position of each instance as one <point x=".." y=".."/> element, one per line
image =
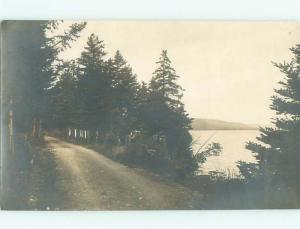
<point x="150" y="115"/>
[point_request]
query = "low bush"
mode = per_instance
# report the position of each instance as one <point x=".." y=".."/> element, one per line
<point x="147" y="154"/>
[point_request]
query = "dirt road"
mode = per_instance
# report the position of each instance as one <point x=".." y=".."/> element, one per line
<point x="87" y="180"/>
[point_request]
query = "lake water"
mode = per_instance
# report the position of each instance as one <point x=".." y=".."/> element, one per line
<point x="233" y="143"/>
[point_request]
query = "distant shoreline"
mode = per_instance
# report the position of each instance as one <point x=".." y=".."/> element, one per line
<point x="224" y="129"/>
<point x="214" y="124"/>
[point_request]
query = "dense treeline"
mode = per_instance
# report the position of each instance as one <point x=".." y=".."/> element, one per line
<point x="95" y="99"/>
<point x="95" y="96"/>
<point x="99" y="100"/>
<point x="29" y="67"/>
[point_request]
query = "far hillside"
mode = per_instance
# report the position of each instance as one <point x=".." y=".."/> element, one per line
<point x="214" y="124"/>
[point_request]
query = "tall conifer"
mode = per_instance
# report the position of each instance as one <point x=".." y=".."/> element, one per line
<point x="278" y="152"/>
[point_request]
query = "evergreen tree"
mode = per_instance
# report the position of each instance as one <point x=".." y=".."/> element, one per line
<point x="29" y="64"/>
<point x="141" y="105"/>
<point x="92" y="58"/>
<point x="124" y="92"/>
<point x="35" y="55"/>
<point x="64" y="98"/>
<point x="164" y="81"/>
<point x="22" y="42"/>
<point x="94" y="86"/>
<point x="167" y="118"/>
<point x="47" y="63"/>
<point x="278" y="154"/>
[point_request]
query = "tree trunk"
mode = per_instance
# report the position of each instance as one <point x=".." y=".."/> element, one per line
<point x="40" y="128"/>
<point x="10" y="130"/>
<point x="33" y="127"/>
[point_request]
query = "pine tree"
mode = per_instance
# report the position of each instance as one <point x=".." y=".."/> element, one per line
<point x="141" y="105"/>
<point x="92" y="58"/>
<point x="124" y="92"/>
<point x="64" y="98"/>
<point x="22" y="42"/>
<point x="164" y="81"/>
<point x="166" y="117"/>
<point x="35" y="56"/>
<point x="94" y="86"/>
<point x="124" y="79"/>
<point x="278" y="152"/>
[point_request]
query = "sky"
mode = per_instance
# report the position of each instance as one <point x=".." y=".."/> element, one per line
<point x="225" y="67"/>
